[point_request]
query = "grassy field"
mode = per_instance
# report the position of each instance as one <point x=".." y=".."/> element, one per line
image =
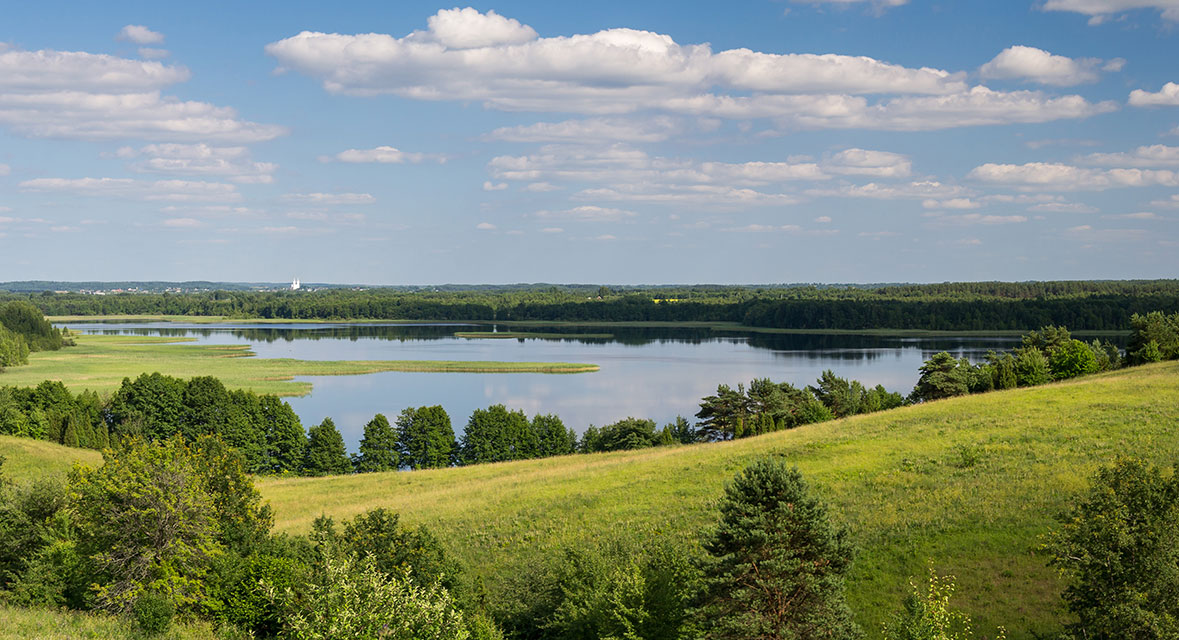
<point x="100" y="362"/>
<point x="28" y="459"/>
<point x="46" y="624"/>
<point x="969" y="484"/>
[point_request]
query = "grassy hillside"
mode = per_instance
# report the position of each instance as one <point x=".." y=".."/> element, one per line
<point x="45" y="624"/>
<point x="970" y="484"/>
<point x="101" y="362"/>
<point x="27" y="459"/>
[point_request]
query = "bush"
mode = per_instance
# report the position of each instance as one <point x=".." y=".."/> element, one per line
<point x="624" y="593"/>
<point x="153" y="612"/>
<point x="353" y="599"/>
<point x="1118" y="547"/>
<point x="927" y="615"/>
<point x="1073" y="358"/>
<point x="1031" y="367"/>
<point x="378" y="535"/>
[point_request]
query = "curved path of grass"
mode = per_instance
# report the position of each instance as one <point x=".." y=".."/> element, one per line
<point x="100" y="363"/>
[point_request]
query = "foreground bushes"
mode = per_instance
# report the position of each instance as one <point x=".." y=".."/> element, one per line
<point x="173" y="528"/>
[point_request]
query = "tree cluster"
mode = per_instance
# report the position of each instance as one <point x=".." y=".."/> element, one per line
<point x="23" y="329"/>
<point x="772" y="406"/>
<point x="1043" y="356"/>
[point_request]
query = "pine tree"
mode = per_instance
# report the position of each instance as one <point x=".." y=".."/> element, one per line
<point x="378" y="449"/>
<point x="325" y="451"/>
<point x="778" y="564"/>
<point x="70" y="435"/>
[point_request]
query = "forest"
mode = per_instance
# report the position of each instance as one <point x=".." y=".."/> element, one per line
<point x="1080" y="305"/>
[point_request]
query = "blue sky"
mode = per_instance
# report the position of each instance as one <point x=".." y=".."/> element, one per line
<point x="616" y="142"/>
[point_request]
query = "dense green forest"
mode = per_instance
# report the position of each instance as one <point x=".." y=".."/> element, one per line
<point x="1081" y="305"/>
<point x="24" y="329"/>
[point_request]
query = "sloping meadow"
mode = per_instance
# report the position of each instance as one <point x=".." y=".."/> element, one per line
<point x="969" y="484"/>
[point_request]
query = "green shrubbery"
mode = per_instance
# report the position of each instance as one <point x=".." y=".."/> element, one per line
<point x="1119" y="549"/>
<point x="1043" y="356"/>
<point x="927" y="614"/>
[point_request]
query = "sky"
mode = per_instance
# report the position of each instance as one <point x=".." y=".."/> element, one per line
<point x="762" y="141"/>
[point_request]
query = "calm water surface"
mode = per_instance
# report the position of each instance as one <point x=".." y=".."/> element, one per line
<point x="648" y="373"/>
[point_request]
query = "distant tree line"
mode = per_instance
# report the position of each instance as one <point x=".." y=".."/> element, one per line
<point x="1082" y="305"/>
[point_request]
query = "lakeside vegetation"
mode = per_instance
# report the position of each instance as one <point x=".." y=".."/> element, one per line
<point x="99" y="363"/>
<point x="1081" y="305"/>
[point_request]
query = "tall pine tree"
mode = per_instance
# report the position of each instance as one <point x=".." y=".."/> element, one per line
<point x="778" y="564"/>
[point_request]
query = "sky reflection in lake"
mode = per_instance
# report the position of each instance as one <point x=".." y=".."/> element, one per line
<point x="649" y="373"/>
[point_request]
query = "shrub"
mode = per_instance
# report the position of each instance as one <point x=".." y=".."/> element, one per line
<point x="353" y="599"/>
<point x="1118" y="547"/>
<point x="1031" y="367"/>
<point x="1073" y="358"/>
<point x="927" y="614"/>
<point x="625" y="593"/>
<point x="153" y="612"/>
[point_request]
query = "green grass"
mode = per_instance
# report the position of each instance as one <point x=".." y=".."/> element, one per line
<point x="970" y="484"/>
<point x="47" y="624"/>
<point x="100" y="363"/>
<point x="27" y="459"/>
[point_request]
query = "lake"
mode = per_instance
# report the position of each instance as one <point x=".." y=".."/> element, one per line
<point x="655" y="373"/>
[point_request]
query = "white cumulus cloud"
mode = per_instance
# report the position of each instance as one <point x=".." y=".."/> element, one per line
<point x="621" y="71"/>
<point x="200" y="160"/>
<point x="1037" y="65"/>
<point x="1054" y="176"/>
<point x="1100" y="10"/>
<point x="383" y="154"/>
<point x="139" y="34"/>
<point x="72" y="94"/>
<point x="1168" y="96"/>
<point x="1155" y="155"/>
<point x="864" y="162"/>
